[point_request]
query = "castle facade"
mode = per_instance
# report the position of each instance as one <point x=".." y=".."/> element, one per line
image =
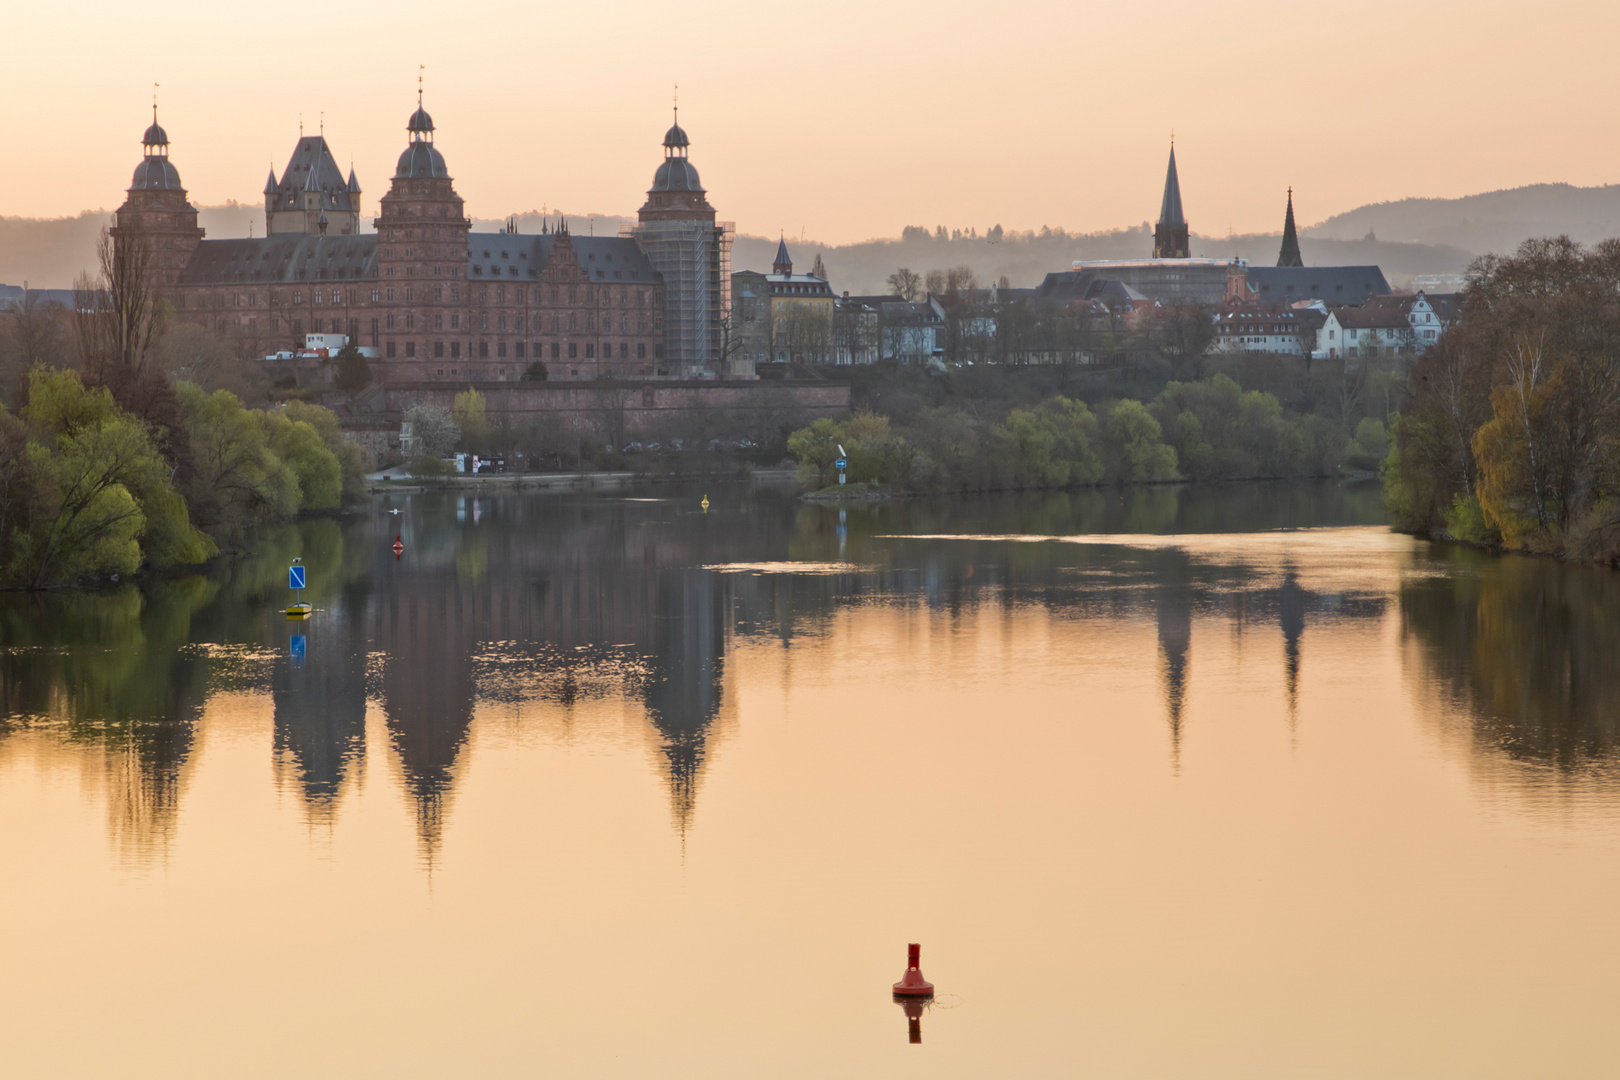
<point x="436" y="300"/>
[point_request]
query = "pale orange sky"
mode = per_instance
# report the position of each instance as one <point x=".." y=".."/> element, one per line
<point x="841" y="120"/>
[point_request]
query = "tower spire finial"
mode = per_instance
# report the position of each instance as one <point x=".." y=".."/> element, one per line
<point x="323" y="123"/>
<point x="419" y="69"/>
<point x="154" y="102"/>
<point x="677" y="103"/>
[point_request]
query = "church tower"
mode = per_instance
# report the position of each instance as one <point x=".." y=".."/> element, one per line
<point x="1170" y="239"/>
<point x="1289" y="255"/>
<point x="421" y="258"/>
<point x="678" y="233"/>
<point x="156" y="211"/>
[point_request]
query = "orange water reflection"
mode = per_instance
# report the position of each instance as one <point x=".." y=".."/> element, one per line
<point x="1208" y="803"/>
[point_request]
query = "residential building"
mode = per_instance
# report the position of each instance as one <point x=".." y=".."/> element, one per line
<point x="1285" y="330"/>
<point x="781" y="316"/>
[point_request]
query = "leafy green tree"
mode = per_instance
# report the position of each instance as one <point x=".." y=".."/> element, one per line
<point x="351" y="459"/>
<point x="299" y="446"/>
<point x="1134" y="451"/>
<point x="470" y="415"/>
<point x="816" y="447"/>
<point x="535" y="372"/>
<point x="235" y="481"/>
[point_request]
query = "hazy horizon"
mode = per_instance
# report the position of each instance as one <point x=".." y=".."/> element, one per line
<point x="862" y="139"/>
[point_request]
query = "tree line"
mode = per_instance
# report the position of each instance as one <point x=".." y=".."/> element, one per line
<point x="124" y="443"/>
<point x="1511" y="435"/>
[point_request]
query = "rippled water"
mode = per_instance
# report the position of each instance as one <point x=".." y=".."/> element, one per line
<point x="1228" y="782"/>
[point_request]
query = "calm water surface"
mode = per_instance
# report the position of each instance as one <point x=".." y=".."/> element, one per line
<point x="1225" y="783"/>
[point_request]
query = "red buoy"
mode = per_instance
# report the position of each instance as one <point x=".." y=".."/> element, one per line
<point x="399" y="545"/>
<point x="912" y="984"/>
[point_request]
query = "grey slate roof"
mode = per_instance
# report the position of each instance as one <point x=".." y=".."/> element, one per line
<point x="514" y="257"/>
<point x="284" y="258"/>
<point x="313" y="168"/>
<point x="676" y="174"/>
<point x="1170" y="208"/>
<point x="421" y="161"/>
<point x="155" y="173"/>
<point x="1333" y="284"/>
<point x="1069" y="286"/>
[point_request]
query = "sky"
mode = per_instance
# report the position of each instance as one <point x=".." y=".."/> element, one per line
<point x="835" y="121"/>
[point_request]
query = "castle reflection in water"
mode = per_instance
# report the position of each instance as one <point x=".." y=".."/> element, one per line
<point x="553" y="601"/>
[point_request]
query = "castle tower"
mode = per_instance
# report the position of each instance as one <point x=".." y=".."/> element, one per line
<point x="311" y="186"/>
<point x="421" y="256"/>
<point x="156" y="211"/>
<point x="1289" y="255"/>
<point x="1170" y="240"/>
<point x="784" y="262"/>
<point x="680" y="237"/>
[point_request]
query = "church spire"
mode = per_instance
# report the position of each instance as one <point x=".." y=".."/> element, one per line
<point x="1170" y="238"/>
<point x="1289" y="256"/>
<point x="784" y="262"/>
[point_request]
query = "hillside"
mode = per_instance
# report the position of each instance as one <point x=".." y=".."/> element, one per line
<point x="1407" y="237"/>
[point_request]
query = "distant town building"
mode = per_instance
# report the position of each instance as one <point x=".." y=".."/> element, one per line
<point x="1268" y="328"/>
<point x="1167" y="281"/>
<point x="1329" y="284"/>
<point x="781" y="316"/>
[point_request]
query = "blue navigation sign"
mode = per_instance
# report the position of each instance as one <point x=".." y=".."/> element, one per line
<point x="295" y="577"/>
<point x="298" y="650"/>
<point x="841" y="464"/>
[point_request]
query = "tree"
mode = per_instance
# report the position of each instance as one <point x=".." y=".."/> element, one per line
<point x="817" y="447"/>
<point x="351" y="460"/>
<point x="818" y="268"/>
<point x="1133" y="448"/>
<point x="535" y="372"/>
<point x="906" y="284"/>
<point x="300" y="448"/>
<point x="434" y="432"/>
<point x="1186" y="331"/>
<point x="119" y="315"/>
<point x="353" y="373"/>
<point x="469" y="412"/>
<point x="233" y="481"/>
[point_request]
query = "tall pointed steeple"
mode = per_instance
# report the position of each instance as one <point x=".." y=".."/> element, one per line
<point x="1289" y="256"/>
<point x="1170" y="238"/>
<point x="784" y="262"/>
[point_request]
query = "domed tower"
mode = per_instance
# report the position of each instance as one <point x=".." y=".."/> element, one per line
<point x="679" y="235"/>
<point x="421" y="255"/>
<point x="156" y="212"/>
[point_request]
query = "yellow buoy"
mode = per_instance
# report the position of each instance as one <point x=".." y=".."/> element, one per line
<point x="705" y="504"/>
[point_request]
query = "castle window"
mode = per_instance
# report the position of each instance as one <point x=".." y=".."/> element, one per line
<point x="298" y="297"/>
<point x="375" y="296"/>
<point x="410" y="294"/>
<point x="483" y="294"/>
<point x="438" y="349"/>
<point x="455" y="349"/>
<point x="390" y="350"/>
<point x="455" y="321"/>
<point x="658" y="352"/>
<point x="337" y="327"/>
<point x="483" y="322"/>
<point x="495" y="270"/>
<point x="390" y="320"/>
<point x="573" y="350"/>
<point x="500" y="349"/>
<point x="556" y="350"/>
<point x="275" y="326"/>
<point x="641" y="350"/>
<point x="518" y="349"/>
<point x="500" y="322"/>
<point x="390" y="296"/>
<point x="624" y="350"/>
<point x="410" y="348"/>
<point x="455" y="294"/>
<point x="554" y="294"/>
<point x="438" y="292"/>
<point x="590" y="350"/>
<point x="483" y="350"/>
<point x="410" y="320"/>
<point x="438" y="322"/>
<point x="479" y="270"/>
<point x="500" y="296"/>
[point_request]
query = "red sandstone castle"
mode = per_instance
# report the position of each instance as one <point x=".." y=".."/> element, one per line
<point x="437" y="301"/>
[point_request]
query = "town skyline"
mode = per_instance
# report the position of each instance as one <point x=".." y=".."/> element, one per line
<point x="856" y="152"/>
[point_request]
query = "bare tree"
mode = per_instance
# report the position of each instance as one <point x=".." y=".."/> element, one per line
<point x="906" y="284"/>
<point x="119" y="315"/>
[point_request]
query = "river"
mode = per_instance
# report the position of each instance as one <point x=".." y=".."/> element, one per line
<point x="1219" y="782"/>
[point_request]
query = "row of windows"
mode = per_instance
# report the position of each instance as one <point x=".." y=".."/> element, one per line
<point x="536" y="349"/>
<point x="325" y="297"/>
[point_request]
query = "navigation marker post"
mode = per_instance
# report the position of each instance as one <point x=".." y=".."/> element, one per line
<point x="841" y="464"/>
<point x="295" y="582"/>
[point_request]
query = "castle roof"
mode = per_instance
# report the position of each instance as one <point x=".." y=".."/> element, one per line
<point x="312" y="169"/>
<point x="676" y="174"/>
<point x="421" y="161"/>
<point x="155" y="173"/>
<point x="503" y="256"/>
<point x="284" y="258"/>
<point x="1333" y="284"/>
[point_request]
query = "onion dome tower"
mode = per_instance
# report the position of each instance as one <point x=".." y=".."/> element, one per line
<point x="422" y="252"/>
<point x="1289" y="255"/>
<point x="1170" y="238"/>
<point x="677" y="231"/>
<point x="156" y="216"/>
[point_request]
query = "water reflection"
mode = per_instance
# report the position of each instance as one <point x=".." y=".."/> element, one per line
<point x="1525" y="650"/>
<point x="560" y="601"/>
